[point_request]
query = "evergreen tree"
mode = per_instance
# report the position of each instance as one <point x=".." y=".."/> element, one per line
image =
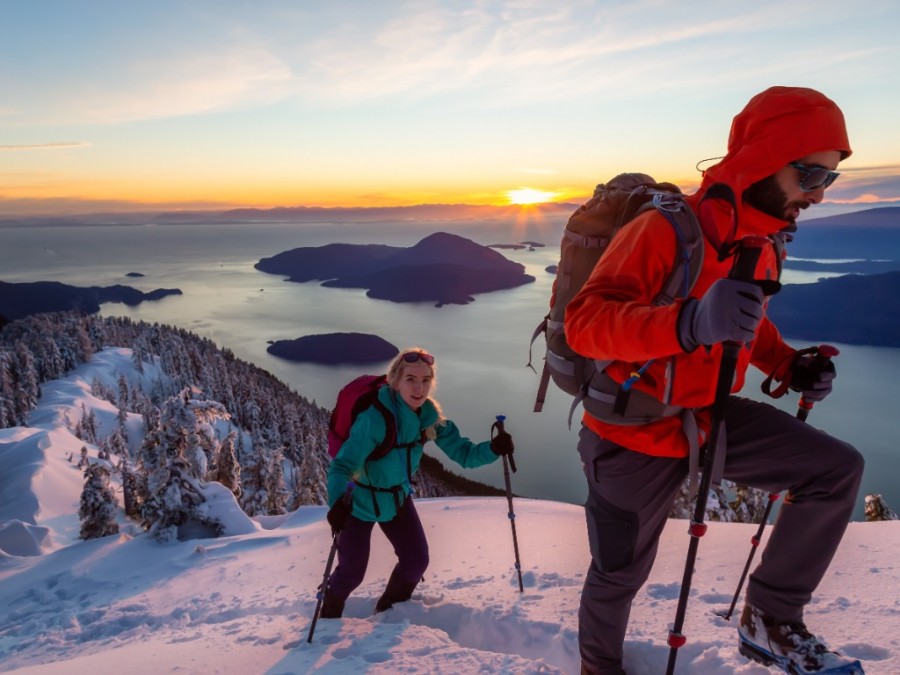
<point x="133" y="486"/>
<point x="122" y="401"/>
<point x="98" y="504"/>
<point x="7" y="392"/>
<point x="254" y="483"/>
<point x="175" y="501"/>
<point x="228" y="471"/>
<point x="26" y="377"/>
<point x="277" y="491"/>
<point x="175" y="463"/>
<point x="311" y="488"/>
<point x="116" y="443"/>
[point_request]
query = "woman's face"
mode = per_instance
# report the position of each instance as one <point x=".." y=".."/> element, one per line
<point x="415" y="383"/>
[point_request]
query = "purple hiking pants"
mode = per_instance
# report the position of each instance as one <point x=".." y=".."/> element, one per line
<point x="630" y="495"/>
<point x="405" y="533"/>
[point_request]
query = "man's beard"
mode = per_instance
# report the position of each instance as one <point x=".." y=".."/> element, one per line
<point x="767" y="196"/>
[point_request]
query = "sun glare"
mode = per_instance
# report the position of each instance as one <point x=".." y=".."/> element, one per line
<point x="528" y="196"/>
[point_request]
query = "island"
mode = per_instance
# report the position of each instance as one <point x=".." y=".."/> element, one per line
<point x="332" y="349"/>
<point x="18" y="300"/>
<point x="853" y="309"/>
<point x="442" y="268"/>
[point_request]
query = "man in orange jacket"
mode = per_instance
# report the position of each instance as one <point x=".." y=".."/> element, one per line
<point x="782" y="154"/>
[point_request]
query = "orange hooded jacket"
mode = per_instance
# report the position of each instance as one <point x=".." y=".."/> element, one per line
<point x="612" y="316"/>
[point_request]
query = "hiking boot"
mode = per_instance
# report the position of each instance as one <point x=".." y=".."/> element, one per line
<point x="397" y="590"/>
<point x="332" y="606"/>
<point x="790" y="646"/>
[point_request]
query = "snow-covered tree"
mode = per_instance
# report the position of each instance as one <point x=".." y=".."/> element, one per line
<point x="86" y="429"/>
<point x="98" y="504"/>
<point x="255" y="482"/>
<point x="173" y="458"/>
<point x="277" y="491"/>
<point x="228" y="471"/>
<point x="174" y="502"/>
<point x="115" y="443"/>
<point x="310" y="486"/>
<point x="7" y="392"/>
<point x="133" y="487"/>
<point x="122" y="401"/>
<point x="26" y="377"/>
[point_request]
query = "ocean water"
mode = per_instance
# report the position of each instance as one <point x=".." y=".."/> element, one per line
<point x="481" y="348"/>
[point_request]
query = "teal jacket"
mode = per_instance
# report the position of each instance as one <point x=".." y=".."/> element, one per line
<point x="390" y="472"/>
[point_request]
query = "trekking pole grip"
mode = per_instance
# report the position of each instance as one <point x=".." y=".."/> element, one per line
<point x="822" y="358"/>
<point x="747" y="258"/>
<point x="499" y="426"/>
<point x="743" y="269"/>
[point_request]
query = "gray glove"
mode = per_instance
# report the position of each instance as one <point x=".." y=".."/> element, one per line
<point x="730" y="310"/>
<point x="812" y="376"/>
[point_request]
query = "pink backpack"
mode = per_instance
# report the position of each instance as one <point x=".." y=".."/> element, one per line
<point x="352" y="399"/>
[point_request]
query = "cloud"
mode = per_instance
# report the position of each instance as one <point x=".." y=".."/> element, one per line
<point x="45" y="146"/>
<point x="520" y="52"/>
<point x="189" y="84"/>
<point x="866" y="185"/>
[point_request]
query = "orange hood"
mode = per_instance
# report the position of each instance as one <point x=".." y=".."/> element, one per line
<point x="777" y="126"/>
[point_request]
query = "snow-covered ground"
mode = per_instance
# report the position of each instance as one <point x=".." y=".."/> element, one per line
<point x="243" y="603"/>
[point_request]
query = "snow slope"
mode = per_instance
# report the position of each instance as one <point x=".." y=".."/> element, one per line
<point x="243" y="603"/>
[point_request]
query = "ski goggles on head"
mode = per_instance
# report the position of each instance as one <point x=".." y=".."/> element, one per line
<point x="814" y="177"/>
<point x="412" y="357"/>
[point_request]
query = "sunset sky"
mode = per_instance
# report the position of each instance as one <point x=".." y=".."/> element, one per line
<point x="108" y="105"/>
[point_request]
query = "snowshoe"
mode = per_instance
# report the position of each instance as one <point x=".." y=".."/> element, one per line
<point x="790" y="647"/>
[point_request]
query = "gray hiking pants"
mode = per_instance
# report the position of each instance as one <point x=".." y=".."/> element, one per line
<point x="630" y="495"/>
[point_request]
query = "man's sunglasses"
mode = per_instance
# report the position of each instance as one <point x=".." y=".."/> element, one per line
<point x="412" y="357"/>
<point x="814" y="177"/>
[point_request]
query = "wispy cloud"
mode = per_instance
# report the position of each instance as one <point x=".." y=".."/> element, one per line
<point x="519" y="51"/>
<point x="45" y="146"/>
<point x="186" y="84"/>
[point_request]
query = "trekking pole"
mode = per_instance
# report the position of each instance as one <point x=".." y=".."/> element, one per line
<point x="320" y="594"/>
<point x="823" y="355"/>
<point x="754" y="544"/>
<point x="498" y="425"/>
<point x="743" y="269"/>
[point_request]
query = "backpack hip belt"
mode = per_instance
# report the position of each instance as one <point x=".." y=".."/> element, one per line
<point x="396" y="490"/>
<point x="603" y="396"/>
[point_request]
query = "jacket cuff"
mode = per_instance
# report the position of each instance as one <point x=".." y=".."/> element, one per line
<point x="684" y="325"/>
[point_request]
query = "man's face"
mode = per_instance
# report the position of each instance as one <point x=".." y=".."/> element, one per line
<point x="781" y="196"/>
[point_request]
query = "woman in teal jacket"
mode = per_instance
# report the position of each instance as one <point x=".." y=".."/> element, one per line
<point x="383" y="491"/>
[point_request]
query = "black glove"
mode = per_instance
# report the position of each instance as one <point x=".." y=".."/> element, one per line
<point x="812" y="376"/>
<point x="730" y="310"/>
<point x="338" y="514"/>
<point x="502" y="444"/>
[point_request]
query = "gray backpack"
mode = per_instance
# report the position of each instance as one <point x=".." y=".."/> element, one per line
<point x="588" y="233"/>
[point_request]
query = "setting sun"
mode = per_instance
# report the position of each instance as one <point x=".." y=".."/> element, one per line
<point x="529" y="196"/>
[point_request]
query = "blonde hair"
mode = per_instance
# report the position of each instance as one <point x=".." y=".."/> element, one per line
<point x="395" y="373"/>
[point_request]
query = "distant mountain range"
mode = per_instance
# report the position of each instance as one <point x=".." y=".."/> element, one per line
<point x="442" y="268"/>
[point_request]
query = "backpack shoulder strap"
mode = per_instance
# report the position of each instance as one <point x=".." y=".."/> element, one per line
<point x="688" y="246"/>
<point x="390" y="432"/>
